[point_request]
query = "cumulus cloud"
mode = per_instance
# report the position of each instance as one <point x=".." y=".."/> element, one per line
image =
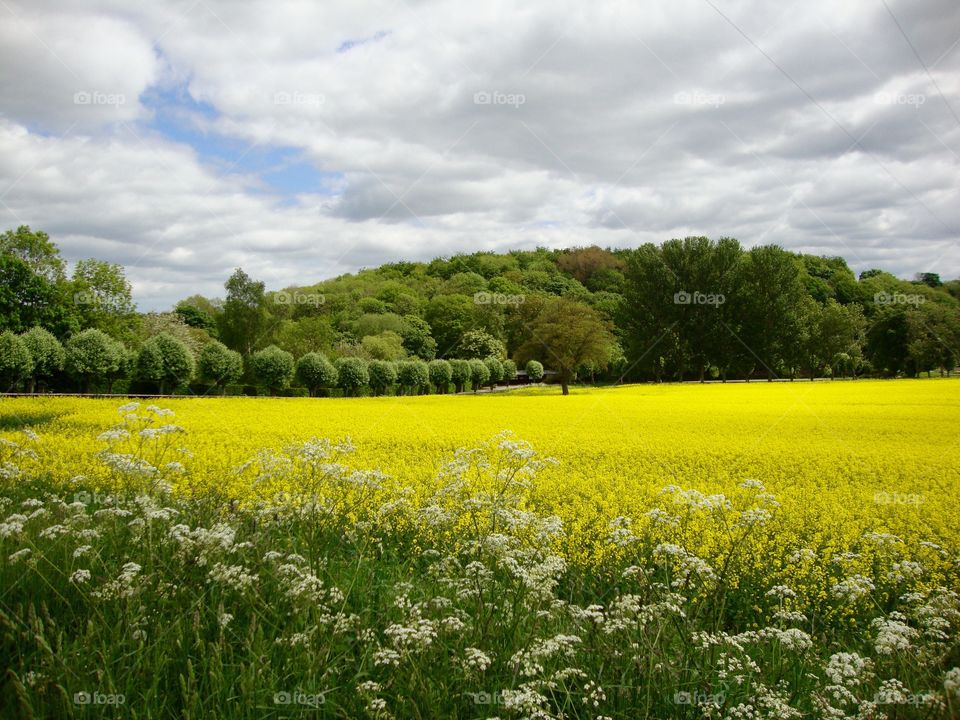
<point x="433" y="127"/>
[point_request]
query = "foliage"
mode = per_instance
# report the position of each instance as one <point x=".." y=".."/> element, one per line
<point x="46" y="352"/>
<point x="413" y="376"/>
<point x="272" y="367"/>
<point x="479" y="344"/>
<point x="495" y="370"/>
<point x="440" y="375"/>
<point x="16" y="364"/>
<point x="165" y="360"/>
<point x="534" y="370"/>
<point x="383" y="374"/>
<point x="219" y="365"/>
<point x="315" y="372"/>
<point x="479" y="373"/>
<point x="567" y="335"/>
<point x="91" y="356"/>
<point x="459" y="374"/>
<point x="352" y="374"/>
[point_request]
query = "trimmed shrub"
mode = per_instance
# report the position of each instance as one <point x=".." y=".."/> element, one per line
<point x="459" y="374"/>
<point x="219" y="365"/>
<point x="479" y="373"/>
<point x="47" y="355"/>
<point x="90" y="356"/>
<point x="412" y="376"/>
<point x="163" y="360"/>
<point x="534" y="371"/>
<point x="440" y="375"/>
<point x="15" y="361"/>
<point x="272" y="367"/>
<point x="496" y="370"/>
<point x="316" y="373"/>
<point x="383" y="374"/>
<point x="352" y="374"/>
<point x="509" y="371"/>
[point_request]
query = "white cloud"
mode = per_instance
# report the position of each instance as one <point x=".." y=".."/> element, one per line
<point x="636" y="124"/>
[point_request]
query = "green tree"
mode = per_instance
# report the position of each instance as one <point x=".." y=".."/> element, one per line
<point x="243" y="322"/>
<point x="27" y="299"/>
<point x="306" y="334"/>
<point x="383" y="374"/>
<point x="568" y="334"/>
<point x="352" y="375"/>
<point x="36" y="250"/>
<point x="413" y="376"/>
<point x="165" y="360"/>
<point x="459" y="374"/>
<point x="16" y="364"/>
<point x="385" y="346"/>
<point x="417" y="339"/>
<point x="769" y="294"/>
<point x="47" y="354"/>
<point x="440" y="375"/>
<point x="534" y="370"/>
<point x="272" y="367"/>
<point x="495" y="368"/>
<point x="449" y="317"/>
<point x="103" y="297"/>
<point x="90" y="357"/>
<point x="479" y="344"/>
<point x="479" y="373"/>
<point x="197" y="318"/>
<point x="316" y="373"/>
<point x="509" y="371"/>
<point x="219" y="365"/>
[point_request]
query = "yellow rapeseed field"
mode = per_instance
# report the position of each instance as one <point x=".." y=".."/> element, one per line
<point x="841" y="458"/>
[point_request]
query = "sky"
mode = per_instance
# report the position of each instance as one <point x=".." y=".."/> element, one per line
<point x="301" y="140"/>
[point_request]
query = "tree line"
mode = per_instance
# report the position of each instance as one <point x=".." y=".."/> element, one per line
<point x="687" y="309"/>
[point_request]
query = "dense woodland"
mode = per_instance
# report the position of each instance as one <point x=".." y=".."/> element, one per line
<point x="691" y="309"/>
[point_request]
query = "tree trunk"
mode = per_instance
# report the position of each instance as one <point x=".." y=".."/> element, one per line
<point x="565" y="387"/>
